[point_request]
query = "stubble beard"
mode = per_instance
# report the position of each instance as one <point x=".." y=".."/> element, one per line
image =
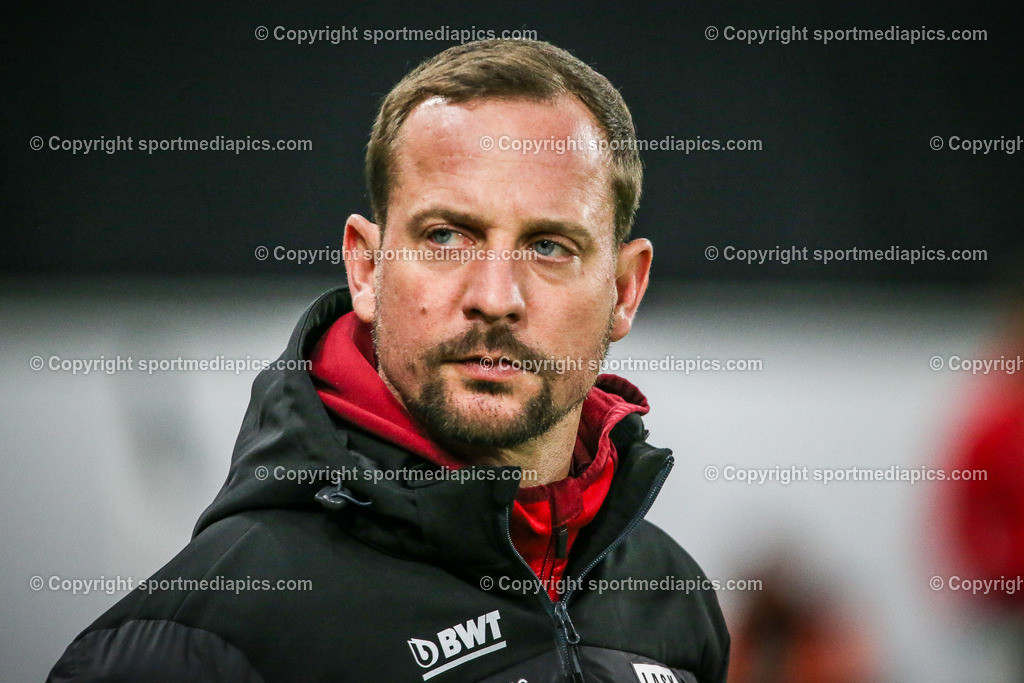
<point x="433" y="405"/>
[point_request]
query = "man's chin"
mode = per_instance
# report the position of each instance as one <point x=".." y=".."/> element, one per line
<point x="489" y="414"/>
<point x="490" y="404"/>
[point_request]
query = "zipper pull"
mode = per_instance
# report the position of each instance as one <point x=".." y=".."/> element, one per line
<point x="566" y="623"/>
<point x="562" y="542"/>
<point x="573" y="638"/>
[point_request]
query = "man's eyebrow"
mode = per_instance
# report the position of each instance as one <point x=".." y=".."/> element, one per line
<point x="445" y="214"/>
<point x="570" y="229"/>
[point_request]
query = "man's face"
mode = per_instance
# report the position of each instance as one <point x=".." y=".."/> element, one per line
<point x="442" y="327"/>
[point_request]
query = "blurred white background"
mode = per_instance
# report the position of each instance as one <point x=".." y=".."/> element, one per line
<point x="105" y="475"/>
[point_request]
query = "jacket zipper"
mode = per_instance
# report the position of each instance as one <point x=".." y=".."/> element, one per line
<point x="563" y="640"/>
<point x="572" y="639"/>
<point x="556" y="550"/>
<point x="561" y="545"/>
<point x="568" y="637"/>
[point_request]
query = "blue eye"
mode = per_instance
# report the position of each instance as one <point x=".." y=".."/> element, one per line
<point x="442" y="236"/>
<point x="547" y="247"/>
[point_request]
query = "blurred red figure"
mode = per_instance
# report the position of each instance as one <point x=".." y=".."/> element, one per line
<point x="987" y="513"/>
<point x="786" y="632"/>
<point x="984" y="515"/>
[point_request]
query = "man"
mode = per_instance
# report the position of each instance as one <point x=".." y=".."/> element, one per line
<point x="462" y="358"/>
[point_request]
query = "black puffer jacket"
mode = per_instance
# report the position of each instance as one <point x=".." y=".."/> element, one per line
<point x="410" y="579"/>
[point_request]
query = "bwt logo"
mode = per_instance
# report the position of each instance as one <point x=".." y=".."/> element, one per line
<point x="467" y="638"/>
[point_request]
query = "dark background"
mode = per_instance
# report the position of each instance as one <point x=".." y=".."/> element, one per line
<point x="845" y="128"/>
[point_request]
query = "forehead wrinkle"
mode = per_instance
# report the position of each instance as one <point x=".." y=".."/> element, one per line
<point x="446" y="126"/>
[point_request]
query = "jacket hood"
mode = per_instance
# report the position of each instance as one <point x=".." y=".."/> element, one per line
<point x="292" y="454"/>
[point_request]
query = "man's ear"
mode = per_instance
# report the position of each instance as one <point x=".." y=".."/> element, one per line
<point x="631" y="275"/>
<point x="362" y="239"/>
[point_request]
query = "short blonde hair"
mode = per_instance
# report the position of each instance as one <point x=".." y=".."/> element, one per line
<point x="501" y="68"/>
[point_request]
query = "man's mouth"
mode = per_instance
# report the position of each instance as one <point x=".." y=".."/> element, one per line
<point x="484" y="357"/>
<point x="490" y="365"/>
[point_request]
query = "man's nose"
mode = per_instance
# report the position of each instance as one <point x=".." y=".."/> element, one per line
<point x="494" y="291"/>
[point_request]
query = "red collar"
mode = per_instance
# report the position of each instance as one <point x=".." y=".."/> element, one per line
<point x="344" y="370"/>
